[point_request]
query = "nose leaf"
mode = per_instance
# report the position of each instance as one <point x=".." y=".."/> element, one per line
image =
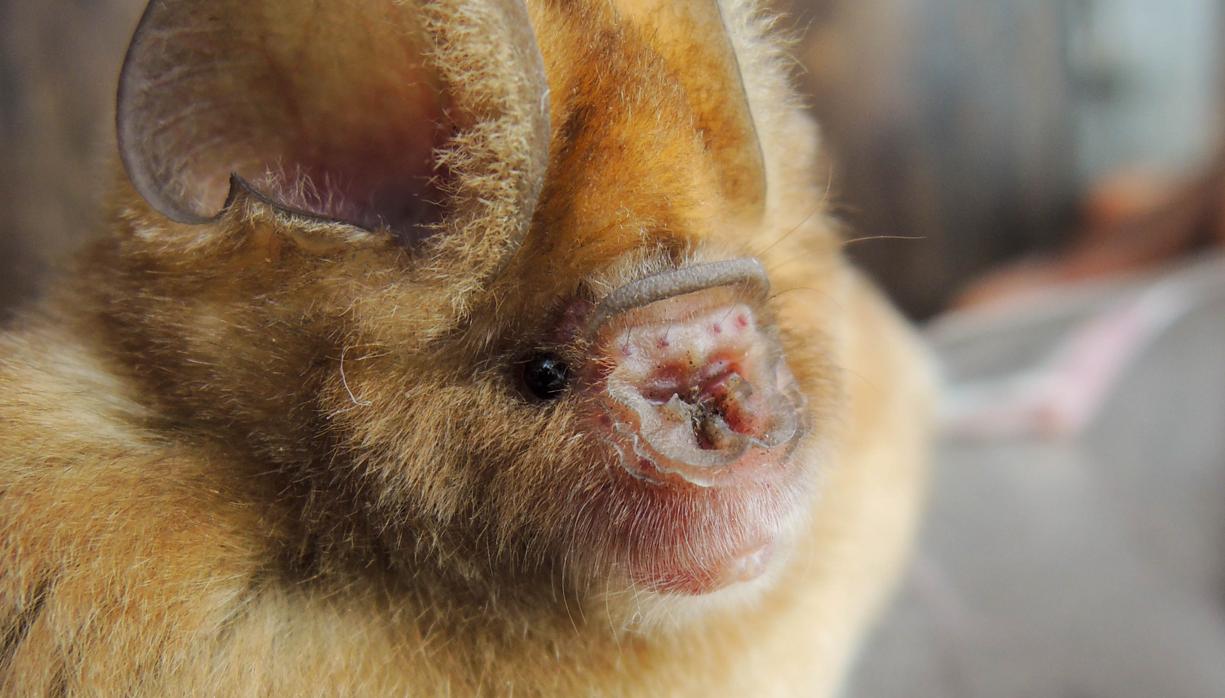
<point x="695" y="389"/>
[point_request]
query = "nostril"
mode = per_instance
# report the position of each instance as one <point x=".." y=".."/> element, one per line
<point x="710" y="430"/>
<point x="713" y="409"/>
<point x="713" y="433"/>
<point x="707" y="396"/>
<point x="731" y="394"/>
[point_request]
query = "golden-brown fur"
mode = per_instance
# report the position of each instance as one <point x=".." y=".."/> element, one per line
<point x="271" y="455"/>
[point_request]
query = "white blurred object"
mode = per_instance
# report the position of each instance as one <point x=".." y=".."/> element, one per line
<point x="1147" y="83"/>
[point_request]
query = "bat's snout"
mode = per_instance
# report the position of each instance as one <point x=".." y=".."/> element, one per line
<point x="694" y="387"/>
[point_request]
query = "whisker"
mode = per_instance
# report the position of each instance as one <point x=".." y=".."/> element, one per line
<point x="837" y="304"/>
<point x="792" y="290"/>
<point x="817" y="208"/>
<point x="345" y="382"/>
<point x="870" y="238"/>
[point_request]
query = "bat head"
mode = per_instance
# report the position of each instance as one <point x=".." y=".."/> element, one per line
<point x="491" y="291"/>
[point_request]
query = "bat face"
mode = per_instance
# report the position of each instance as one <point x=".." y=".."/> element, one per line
<point x="684" y="419"/>
<point x="529" y="339"/>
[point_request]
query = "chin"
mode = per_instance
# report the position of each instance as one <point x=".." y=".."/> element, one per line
<point x="683" y="554"/>
<point x="675" y="552"/>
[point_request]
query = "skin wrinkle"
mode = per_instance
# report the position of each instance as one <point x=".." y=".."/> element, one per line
<point x="677" y="282"/>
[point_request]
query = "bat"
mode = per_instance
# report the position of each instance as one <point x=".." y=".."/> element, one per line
<point x="455" y="348"/>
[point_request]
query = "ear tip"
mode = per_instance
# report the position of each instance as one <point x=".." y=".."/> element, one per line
<point x="139" y="164"/>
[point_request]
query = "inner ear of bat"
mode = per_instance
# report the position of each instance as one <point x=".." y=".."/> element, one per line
<point x="331" y="110"/>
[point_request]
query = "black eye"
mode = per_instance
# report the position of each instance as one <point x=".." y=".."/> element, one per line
<point x="546" y="376"/>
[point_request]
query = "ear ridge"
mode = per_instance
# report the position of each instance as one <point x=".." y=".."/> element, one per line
<point x="374" y="113"/>
<point x="692" y="36"/>
<point x="498" y="165"/>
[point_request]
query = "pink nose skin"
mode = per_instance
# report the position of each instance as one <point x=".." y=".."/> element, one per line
<point x="694" y="388"/>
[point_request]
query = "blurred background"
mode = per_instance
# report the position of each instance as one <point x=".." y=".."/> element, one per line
<point x="978" y="127"/>
<point x="981" y="126"/>
<point x="1039" y="184"/>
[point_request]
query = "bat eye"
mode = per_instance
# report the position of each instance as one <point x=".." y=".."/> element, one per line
<point x="546" y="376"/>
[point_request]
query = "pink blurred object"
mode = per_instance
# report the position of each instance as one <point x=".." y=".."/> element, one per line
<point x="1061" y="395"/>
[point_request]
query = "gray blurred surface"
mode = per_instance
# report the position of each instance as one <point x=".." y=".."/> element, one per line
<point x="1091" y="567"/>
<point x="59" y="62"/>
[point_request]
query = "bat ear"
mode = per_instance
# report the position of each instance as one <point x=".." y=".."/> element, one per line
<point x="693" y="37"/>
<point x="396" y="115"/>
